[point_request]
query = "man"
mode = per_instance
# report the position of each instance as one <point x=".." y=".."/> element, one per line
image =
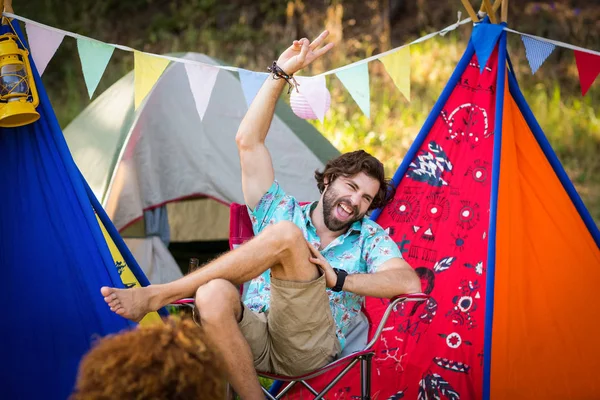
<point x="291" y="257"/>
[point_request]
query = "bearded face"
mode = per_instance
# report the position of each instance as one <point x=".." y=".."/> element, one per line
<point x="338" y="211"/>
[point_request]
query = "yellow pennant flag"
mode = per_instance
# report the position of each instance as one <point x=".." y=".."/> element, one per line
<point x="127" y="276"/>
<point x="147" y="71"/>
<point x="398" y="67"/>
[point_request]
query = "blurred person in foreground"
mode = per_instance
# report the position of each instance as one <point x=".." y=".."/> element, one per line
<point x="169" y="361"/>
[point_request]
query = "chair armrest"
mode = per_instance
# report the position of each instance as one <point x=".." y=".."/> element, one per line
<point x="183" y="302"/>
<point x="393" y="302"/>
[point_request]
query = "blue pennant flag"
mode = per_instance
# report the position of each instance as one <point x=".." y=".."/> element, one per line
<point x="251" y="83"/>
<point x="484" y="38"/>
<point x="536" y="52"/>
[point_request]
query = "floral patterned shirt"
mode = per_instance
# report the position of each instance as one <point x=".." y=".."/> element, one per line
<point x="362" y="249"/>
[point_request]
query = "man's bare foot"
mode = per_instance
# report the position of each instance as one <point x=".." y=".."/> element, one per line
<point x="132" y="303"/>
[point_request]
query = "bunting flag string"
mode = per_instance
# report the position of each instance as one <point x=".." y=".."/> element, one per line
<point x="94" y="55"/>
<point x="441" y="32"/>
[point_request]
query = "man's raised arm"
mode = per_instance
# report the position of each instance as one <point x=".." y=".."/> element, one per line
<point x="257" y="167"/>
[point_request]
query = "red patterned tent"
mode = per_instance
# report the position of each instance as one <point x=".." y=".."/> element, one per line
<point x="488" y="218"/>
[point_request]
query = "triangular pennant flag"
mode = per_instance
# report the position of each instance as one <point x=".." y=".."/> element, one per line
<point x="251" y="82"/>
<point x="536" y="52"/>
<point x="202" y="80"/>
<point x="314" y="90"/>
<point x="588" y="66"/>
<point x="484" y="38"/>
<point x="94" y="58"/>
<point x="397" y="66"/>
<point x="356" y="81"/>
<point x="43" y="43"/>
<point x="147" y="70"/>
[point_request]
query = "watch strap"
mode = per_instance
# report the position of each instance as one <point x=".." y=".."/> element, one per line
<point x="341" y="278"/>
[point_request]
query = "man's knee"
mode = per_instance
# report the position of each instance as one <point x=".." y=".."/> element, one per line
<point x="286" y="233"/>
<point x="216" y="300"/>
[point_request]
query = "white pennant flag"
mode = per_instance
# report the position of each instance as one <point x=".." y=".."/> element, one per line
<point x="43" y="43"/>
<point x="314" y="90"/>
<point x="202" y="81"/>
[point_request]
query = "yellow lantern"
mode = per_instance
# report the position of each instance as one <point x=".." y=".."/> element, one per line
<point x="18" y="95"/>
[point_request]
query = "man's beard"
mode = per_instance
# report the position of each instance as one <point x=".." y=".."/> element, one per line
<point x="330" y="202"/>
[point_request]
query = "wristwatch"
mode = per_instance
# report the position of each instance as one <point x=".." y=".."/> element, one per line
<point x="341" y="278"/>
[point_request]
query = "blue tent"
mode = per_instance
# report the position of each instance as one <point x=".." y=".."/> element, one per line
<point x="54" y="258"/>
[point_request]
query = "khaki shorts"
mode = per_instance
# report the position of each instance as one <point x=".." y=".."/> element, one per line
<point x="297" y="334"/>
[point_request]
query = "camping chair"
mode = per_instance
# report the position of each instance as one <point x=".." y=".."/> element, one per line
<point x="358" y="350"/>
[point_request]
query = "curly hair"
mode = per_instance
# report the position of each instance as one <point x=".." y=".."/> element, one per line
<point x="160" y="361"/>
<point x="350" y="164"/>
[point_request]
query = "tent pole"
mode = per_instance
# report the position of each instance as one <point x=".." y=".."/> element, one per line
<point x="495" y="7"/>
<point x="504" y="14"/>
<point x="470" y="10"/>
<point x="490" y="11"/>
<point x="7" y="8"/>
<point x="497" y="4"/>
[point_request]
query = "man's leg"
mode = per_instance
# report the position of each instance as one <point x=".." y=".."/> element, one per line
<point x="281" y="247"/>
<point x="218" y="304"/>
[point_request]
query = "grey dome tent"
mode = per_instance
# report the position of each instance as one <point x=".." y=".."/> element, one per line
<point x="164" y="175"/>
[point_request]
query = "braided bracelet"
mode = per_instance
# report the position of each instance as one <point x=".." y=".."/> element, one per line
<point x="279" y="73"/>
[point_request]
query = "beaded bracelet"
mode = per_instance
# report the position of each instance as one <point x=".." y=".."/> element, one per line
<point x="279" y="73"/>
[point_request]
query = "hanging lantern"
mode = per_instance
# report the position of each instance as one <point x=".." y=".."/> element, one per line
<point x="18" y="95"/>
<point x="302" y="108"/>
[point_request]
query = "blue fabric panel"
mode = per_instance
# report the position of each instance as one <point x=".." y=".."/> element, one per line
<point x="54" y="261"/>
<point x="491" y="258"/>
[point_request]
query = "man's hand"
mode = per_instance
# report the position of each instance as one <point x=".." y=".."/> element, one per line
<point x="301" y="53"/>
<point x="320" y="261"/>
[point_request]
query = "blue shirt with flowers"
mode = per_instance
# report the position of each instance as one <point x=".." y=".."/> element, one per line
<point x="362" y="249"/>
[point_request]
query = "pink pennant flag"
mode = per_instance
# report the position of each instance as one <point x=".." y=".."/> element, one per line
<point x="314" y="91"/>
<point x="202" y="81"/>
<point x="588" y="66"/>
<point x="43" y="43"/>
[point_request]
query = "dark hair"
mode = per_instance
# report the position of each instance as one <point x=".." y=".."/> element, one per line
<point x="350" y="164"/>
<point x="158" y="361"/>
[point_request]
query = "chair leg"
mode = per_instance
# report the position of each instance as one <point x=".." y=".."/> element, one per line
<point x="365" y="374"/>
